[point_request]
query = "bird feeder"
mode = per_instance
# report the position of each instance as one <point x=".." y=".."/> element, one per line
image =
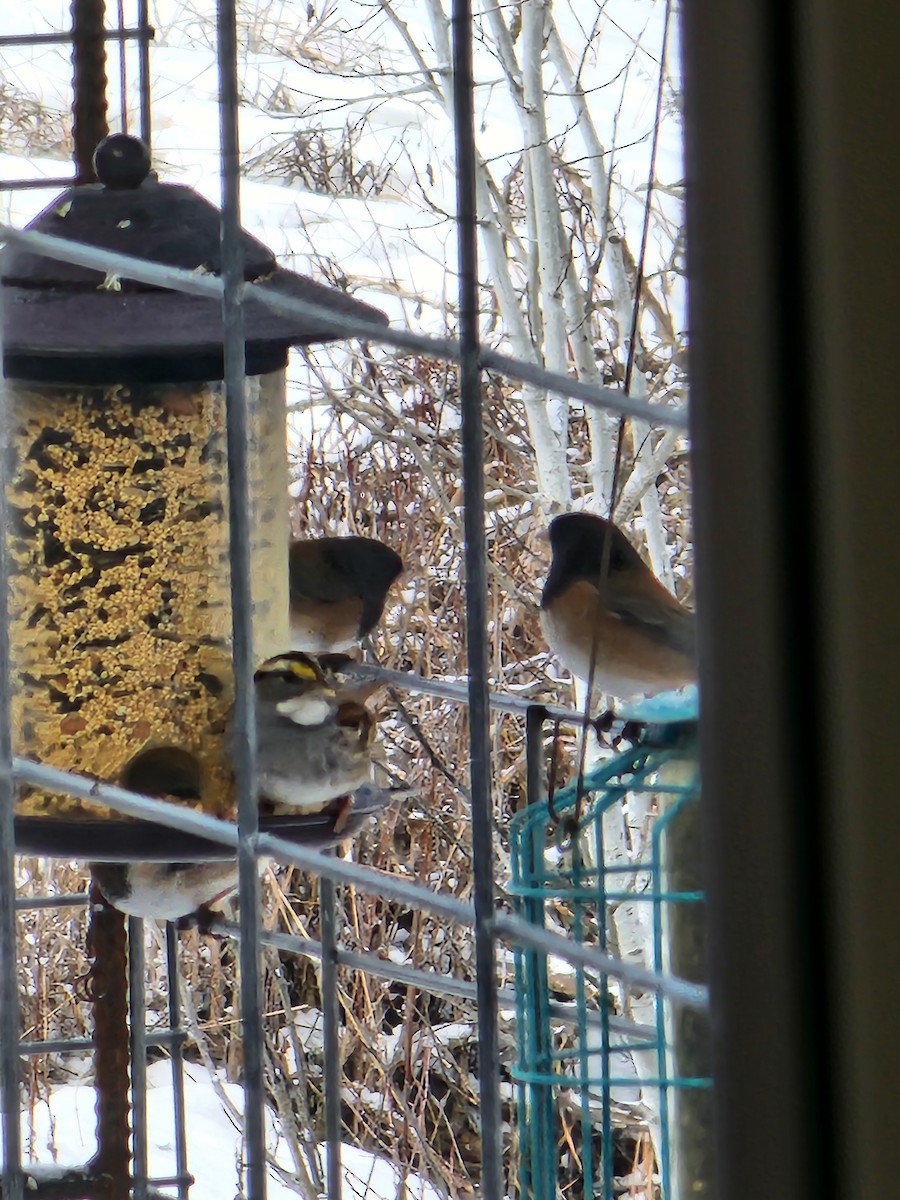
<point x="118" y="533"/>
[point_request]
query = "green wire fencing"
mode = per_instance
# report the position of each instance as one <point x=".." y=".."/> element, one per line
<point x="614" y="1095"/>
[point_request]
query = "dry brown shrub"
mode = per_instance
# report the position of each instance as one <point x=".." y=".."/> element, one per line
<point x="28" y="126"/>
<point x="380" y="456"/>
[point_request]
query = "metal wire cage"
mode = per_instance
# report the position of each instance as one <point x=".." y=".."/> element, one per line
<point x="611" y="1071"/>
<point x="492" y="928"/>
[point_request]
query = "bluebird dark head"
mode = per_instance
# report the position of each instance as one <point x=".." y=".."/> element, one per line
<point x="358" y="563"/>
<point x="581" y="543"/>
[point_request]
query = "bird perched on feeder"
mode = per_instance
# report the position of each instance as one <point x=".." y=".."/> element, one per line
<point x="338" y="587"/>
<point x="313" y="740"/>
<point x="602" y="605"/>
<point x="165" y="891"/>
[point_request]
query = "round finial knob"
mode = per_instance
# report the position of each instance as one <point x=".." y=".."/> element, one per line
<point x="121" y="161"/>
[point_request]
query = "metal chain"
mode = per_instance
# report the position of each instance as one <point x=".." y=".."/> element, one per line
<point x="89" y="125"/>
<point x="107" y="989"/>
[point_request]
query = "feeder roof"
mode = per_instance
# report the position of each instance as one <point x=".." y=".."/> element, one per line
<point x="66" y="323"/>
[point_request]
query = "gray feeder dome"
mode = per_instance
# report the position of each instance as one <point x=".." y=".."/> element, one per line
<point x="60" y="324"/>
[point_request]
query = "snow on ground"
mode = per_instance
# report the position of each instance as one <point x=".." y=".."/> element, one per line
<point x="394" y="242"/>
<point x="398" y="247"/>
<point x="63" y="1133"/>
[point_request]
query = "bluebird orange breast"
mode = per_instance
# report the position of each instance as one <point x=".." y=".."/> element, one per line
<point x="320" y="626"/>
<point x="639" y="645"/>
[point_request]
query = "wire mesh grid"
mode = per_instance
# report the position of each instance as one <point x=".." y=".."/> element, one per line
<point x="90" y="24"/>
<point x="492" y="926"/>
<point x="577" y="861"/>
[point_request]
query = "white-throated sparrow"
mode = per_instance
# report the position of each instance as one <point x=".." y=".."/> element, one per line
<point x="314" y="739"/>
<point x="313" y="742"/>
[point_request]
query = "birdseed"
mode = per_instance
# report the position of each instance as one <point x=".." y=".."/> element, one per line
<point x="119" y="592"/>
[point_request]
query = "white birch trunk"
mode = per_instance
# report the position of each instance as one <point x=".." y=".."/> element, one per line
<point x="548" y="440"/>
<point x="623" y="303"/>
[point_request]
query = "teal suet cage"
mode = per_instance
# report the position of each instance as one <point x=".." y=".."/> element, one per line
<point x="607" y="1062"/>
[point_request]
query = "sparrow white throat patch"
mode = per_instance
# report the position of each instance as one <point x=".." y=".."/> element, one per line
<point x="306" y="710"/>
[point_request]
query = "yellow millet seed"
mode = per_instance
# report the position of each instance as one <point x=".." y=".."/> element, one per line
<point x="120" y="603"/>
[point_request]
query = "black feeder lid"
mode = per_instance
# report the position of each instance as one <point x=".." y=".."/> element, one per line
<point x="62" y="325"/>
